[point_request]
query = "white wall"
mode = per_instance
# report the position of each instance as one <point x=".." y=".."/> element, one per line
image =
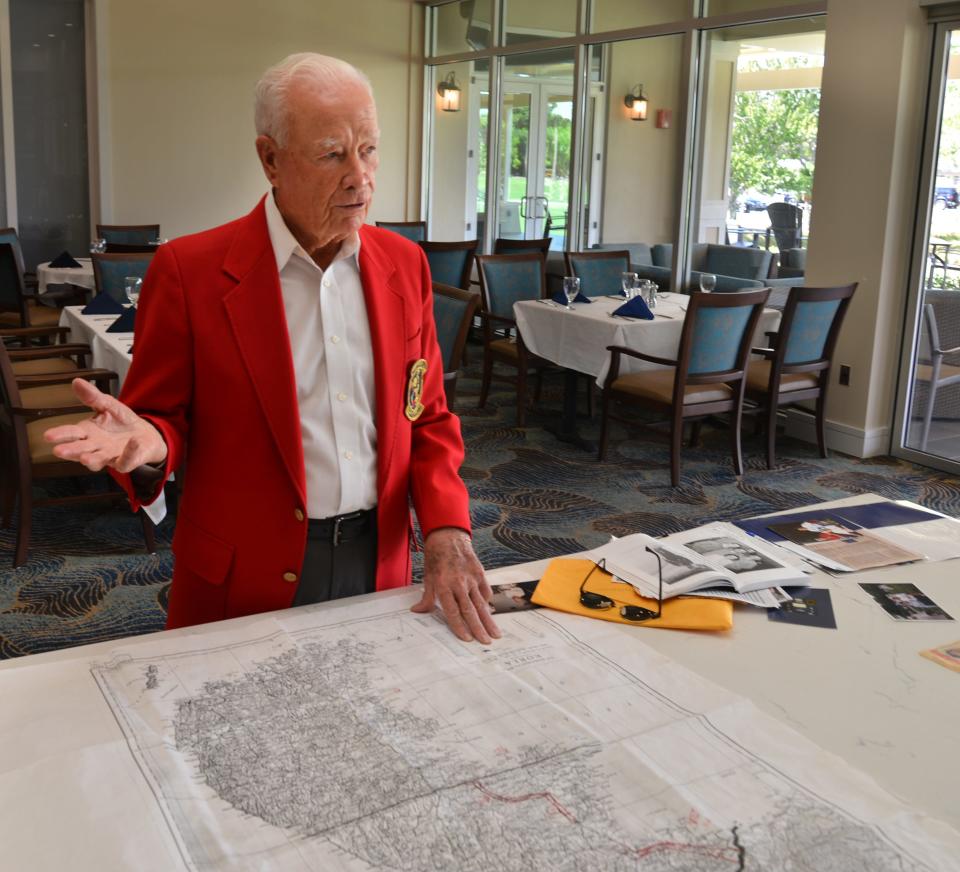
<point x="176" y="82"/>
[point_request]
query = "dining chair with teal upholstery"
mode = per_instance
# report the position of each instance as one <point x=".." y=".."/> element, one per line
<point x="415" y="231"/>
<point x="18" y="306"/>
<point x="708" y="376"/>
<point x="503" y="245"/>
<point x="129" y="234"/>
<point x="506" y="279"/>
<point x="451" y="262"/>
<point x="453" y="311"/>
<point x="797" y="364"/>
<point x="599" y="272"/>
<point x="111" y="270"/>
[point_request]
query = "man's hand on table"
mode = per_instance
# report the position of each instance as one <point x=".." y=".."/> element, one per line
<point x="453" y="577"/>
<point x="114" y="437"/>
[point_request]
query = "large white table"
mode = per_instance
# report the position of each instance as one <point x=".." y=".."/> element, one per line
<point x="860" y="691"/>
<point x="82" y="276"/>
<point x="109" y="350"/>
<point x="577" y="339"/>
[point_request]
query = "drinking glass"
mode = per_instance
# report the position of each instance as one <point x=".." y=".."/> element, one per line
<point x="628" y="281"/>
<point x="708" y="281"/>
<point x="571" y="287"/>
<point x="98" y="246"/>
<point x="132" y="285"/>
<point x="650" y="293"/>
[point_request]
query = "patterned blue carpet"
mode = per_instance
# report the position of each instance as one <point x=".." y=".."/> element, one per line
<point x="88" y="579"/>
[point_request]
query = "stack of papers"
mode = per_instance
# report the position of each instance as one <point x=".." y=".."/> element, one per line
<point x="877" y="533"/>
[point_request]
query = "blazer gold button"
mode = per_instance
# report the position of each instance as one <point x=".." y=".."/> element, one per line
<point x="289" y="576"/>
<point x="298" y="515"/>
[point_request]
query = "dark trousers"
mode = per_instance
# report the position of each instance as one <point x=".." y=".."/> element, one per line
<point x="341" y="558"/>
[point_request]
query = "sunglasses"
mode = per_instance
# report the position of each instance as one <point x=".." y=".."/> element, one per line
<point x="591" y="600"/>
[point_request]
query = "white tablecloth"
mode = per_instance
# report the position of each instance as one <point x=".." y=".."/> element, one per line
<point x="109" y="350"/>
<point x="47" y="275"/>
<point x="578" y="339"/>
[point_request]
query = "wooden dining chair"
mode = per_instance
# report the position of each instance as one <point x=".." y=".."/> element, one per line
<point x="18" y="306"/>
<point x="415" y="231"/>
<point x="111" y="270"/>
<point x="31" y="405"/>
<point x="451" y="262"/>
<point x="502" y="245"/>
<point x="796" y="365"/>
<point x="600" y="272"/>
<point x="933" y="370"/>
<point x="707" y="377"/>
<point x="453" y="312"/>
<point x="128" y="234"/>
<point x="506" y="279"/>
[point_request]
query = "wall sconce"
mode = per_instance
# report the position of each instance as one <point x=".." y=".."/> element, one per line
<point x="449" y="92"/>
<point x="636" y="102"/>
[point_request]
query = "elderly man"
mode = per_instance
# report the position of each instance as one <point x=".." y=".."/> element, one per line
<point x="291" y="358"/>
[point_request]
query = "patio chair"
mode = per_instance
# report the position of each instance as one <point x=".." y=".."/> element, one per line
<point x="786" y="221"/>
<point x="453" y="311"/>
<point x="936" y="374"/>
<point x="502" y="245"/>
<point x="415" y="231"/>
<point x="708" y="376"/>
<point x="797" y="366"/>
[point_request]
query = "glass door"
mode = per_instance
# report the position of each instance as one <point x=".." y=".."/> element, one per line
<point x="929" y="396"/>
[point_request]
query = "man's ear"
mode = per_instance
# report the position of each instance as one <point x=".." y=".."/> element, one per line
<point x="267" y="152"/>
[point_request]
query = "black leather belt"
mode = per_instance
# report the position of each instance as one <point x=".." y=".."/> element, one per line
<point x="341" y="527"/>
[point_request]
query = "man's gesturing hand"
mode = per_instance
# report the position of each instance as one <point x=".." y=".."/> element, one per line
<point x="115" y="436"/>
<point x="453" y="576"/>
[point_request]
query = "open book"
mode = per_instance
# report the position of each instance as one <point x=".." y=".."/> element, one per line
<point x="715" y="556"/>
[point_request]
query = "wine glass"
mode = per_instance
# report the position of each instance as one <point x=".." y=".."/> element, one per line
<point x="571" y="287"/>
<point x="628" y="281"/>
<point x="650" y="293"/>
<point x="98" y="246"/>
<point x="132" y="285"/>
<point x="708" y="281"/>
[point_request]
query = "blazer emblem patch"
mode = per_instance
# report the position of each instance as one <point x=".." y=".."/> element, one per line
<point x="415" y="390"/>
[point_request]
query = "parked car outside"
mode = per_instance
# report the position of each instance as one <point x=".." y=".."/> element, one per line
<point x="945" y="197"/>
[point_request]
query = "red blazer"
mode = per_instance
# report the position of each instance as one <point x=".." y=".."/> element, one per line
<point x="212" y="370"/>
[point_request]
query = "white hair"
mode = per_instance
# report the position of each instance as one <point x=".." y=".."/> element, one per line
<point x="270" y="95"/>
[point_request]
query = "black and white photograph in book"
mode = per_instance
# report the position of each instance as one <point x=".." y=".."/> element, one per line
<point x="734" y="555"/>
<point x="676" y="568"/>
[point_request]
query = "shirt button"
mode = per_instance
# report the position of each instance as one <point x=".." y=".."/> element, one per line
<point x="342" y="397"/>
<point x="298" y="514"/>
<point x="326" y="283"/>
<point x="290" y="576"/>
<point x="348" y="455"/>
<point x="334" y="339"/>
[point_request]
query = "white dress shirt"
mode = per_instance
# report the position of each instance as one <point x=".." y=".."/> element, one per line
<point x="333" y="364"/>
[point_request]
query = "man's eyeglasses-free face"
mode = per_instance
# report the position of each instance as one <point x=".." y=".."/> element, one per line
<point x="591" y="600"/>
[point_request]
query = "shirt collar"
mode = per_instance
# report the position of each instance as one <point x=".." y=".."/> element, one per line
<point x="285" y="244"/>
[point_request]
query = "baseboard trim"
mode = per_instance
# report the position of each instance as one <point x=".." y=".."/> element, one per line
<point x="854" y="441"/>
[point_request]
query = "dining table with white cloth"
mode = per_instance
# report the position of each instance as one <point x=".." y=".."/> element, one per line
<point x="108" y="350"/>
<point x="577" y="338"/>
<point x="82" y="275"/>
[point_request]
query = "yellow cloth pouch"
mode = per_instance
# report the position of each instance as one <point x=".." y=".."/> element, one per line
<point x="560" y="589"/>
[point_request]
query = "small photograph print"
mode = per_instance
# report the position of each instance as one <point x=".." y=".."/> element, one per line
<point x="809" y="606"/>
<point x="946" y="655"/>
<point x="733" y="555"/>
<point x="814" y="530"/>
<point x="906" y="602"/>
<point x="513" y="597"/>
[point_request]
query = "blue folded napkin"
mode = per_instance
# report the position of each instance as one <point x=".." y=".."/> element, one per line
<point x="102" y="304"/>
<point x="124" y="324"/>
<point x="635" y="308"/>
<point x="64" y="261"/>
<point x="561" y="298"/>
